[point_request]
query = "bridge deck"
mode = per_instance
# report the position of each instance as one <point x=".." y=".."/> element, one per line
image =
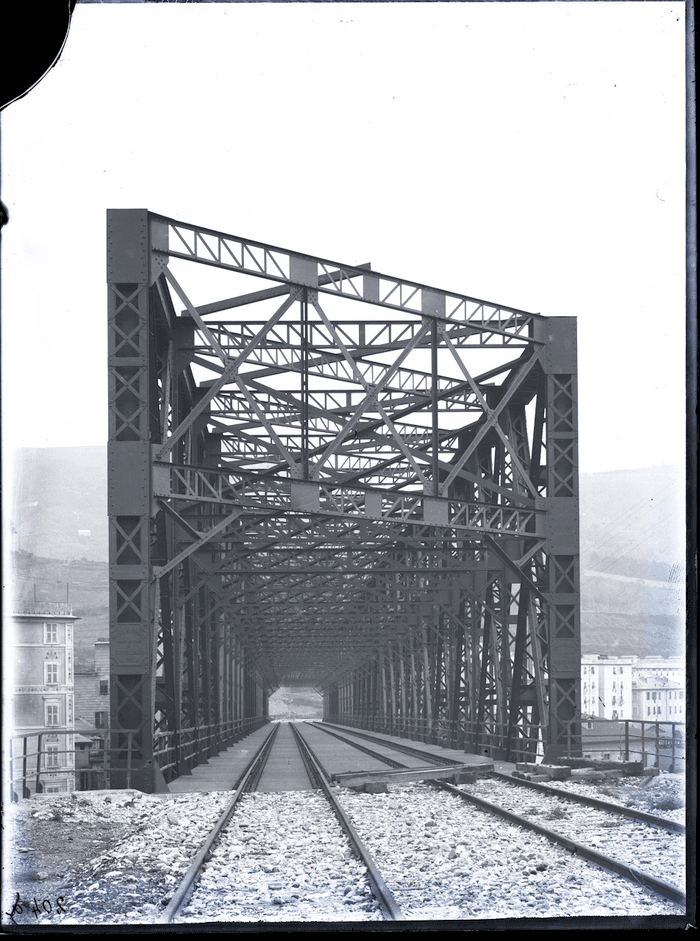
<point x="220" y="773"/>
<point x="452" y="753"/>
<point x="285" y="769"/>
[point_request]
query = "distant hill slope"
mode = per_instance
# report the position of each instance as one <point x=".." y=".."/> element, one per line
<point x="289" y="703"/>
<point x="632" y="527"/>
<point x="634" y="518"/>
<point x="59" y="505"/>
<point x="633" y="562"/>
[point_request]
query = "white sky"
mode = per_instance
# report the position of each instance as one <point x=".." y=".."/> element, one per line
<point x="531" y="154"/>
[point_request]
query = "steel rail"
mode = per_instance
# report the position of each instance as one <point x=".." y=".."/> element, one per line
<point x="405" y="749"/>
<point x="381" y="890"/>
<point x="258" y="763"/>
<point x="363" y="748"/>
<point x="646" y="880"/>
<point x="181" y="895"/>
<point x="642" y="815"/>
<point x="629" y="872"/>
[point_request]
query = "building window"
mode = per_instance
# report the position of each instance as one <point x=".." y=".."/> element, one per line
<point x="100" y="720"/>
<point x="50" y="633"/>
<point x="51" y="713"/>
<point x="52" y="788"/>
<point x="52" y="756"/>
<point x="104" y="687"/>
<point x="51" y="674"/>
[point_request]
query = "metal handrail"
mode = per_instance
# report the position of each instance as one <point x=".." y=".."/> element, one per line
<point x="28" y="756"/>
<point x="656" y="743"/>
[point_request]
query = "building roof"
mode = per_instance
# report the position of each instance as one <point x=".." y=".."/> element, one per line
<point x="84" y="725"/>
<point x="644" y="681"/>
<point x="44" y="609"/>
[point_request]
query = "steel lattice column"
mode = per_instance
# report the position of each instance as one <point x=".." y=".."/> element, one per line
<point x="563" y="538"/>
<point x="131" y="433"/>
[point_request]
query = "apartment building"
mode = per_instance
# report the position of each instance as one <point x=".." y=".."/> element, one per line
<point x="41" y="637"/>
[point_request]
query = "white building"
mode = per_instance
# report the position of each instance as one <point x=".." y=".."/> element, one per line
<point x="606" y="686"/>
<point x="670" y="668"/>
<point x="619" y="687"/>
<point x="657" y="699"/>
<point x="42" y="748"/>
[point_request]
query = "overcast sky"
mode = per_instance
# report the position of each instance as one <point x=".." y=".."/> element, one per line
<point x="531" y="154"/>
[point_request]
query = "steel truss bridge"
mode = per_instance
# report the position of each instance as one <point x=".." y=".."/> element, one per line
<point x="320" y="475"/>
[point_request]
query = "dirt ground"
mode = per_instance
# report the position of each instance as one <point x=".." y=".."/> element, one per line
<point x="48" y="843"/>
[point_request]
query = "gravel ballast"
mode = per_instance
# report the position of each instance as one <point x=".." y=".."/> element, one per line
<point x="152" y="840"/>
<point x="115" y="858"/>
<point x="661" y="794"/>
<point x="284" y="858"/>
<point x="445" y="860"/>
<point x="653" y="850"/>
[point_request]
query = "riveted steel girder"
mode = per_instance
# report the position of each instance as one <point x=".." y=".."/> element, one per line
<point x="335" y="477"/>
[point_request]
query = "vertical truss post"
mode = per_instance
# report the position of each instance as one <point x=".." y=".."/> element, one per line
<point x="403" y="700"/>
<point x="132" y="431"/>
<point x="564" y="660"/>
<point x="304" y="306"/>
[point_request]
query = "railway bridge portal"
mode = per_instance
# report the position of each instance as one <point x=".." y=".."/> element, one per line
<point x="325" y="476"/>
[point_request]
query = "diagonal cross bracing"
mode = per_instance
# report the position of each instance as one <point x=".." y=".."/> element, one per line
<point x="336" y="477"/>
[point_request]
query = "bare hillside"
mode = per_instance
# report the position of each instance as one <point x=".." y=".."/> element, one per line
<point x="632" y="548"/>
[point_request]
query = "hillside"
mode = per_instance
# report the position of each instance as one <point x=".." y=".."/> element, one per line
<point x="632" y="548"/>
<point x="296" y="702"/>
<point x="84" y="584"/>
<point x="633" y="519"/>
<point x="633" y="562"/>
<point x="59" y="503"/>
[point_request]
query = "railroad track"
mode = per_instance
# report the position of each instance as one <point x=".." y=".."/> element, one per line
<point x="600" y="829"/>
<point x="223" y="842"/>
<point x="622" y="810"/>
<point x="570" y="828"/>
<point x="394" y="746"/>
<point x="362" y="848"/>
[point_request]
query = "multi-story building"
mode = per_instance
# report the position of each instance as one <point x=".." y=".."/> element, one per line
<point x="657" y="699"/>
<point x="92" y="714"/>
<point x="618" y="688"/>
<point x="92" y="692"/>
<point x="42" y="683"/>
<point x="606" y="686"/>
<point x="670" y="668"/>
